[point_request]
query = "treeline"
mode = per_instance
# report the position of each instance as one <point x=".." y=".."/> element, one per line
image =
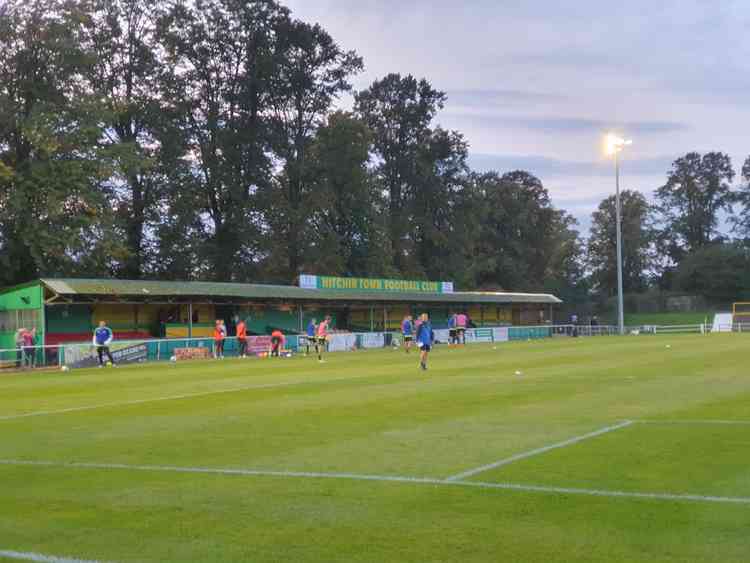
<point x="676" y="242"/>
<point x="199" y="140"/>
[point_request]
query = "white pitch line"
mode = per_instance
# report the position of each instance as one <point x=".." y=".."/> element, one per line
<point x="31" y="556"/>
<point x="176" y="397"/>
<point x="388" y="479"/>
<point x="222" y="471"/>
<point x="604" y="492"/>
<point x="537" y="451"/>
<point x="697" y="422"/>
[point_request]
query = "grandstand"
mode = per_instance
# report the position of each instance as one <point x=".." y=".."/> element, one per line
<point x="66" y="310"/>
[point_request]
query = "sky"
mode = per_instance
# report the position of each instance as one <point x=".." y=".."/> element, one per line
<point x="535" y="85"/>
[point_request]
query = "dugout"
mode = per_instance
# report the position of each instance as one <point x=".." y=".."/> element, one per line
<point x="67" y="310"/>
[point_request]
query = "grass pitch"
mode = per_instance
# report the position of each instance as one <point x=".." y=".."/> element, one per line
<point x="607" y="449"/>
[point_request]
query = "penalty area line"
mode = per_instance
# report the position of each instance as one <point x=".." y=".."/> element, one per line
<point x="538" y="451"/>
<point x="519" y="487"/>
<point x="40" y="557"/>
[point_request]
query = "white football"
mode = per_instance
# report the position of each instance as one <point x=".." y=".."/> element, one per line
<point x="173" y="359"/>
<point x="65" y="368"/>
<point x="519" y="372"/>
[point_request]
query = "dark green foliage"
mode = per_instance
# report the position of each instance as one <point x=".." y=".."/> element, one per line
<point x="638" y="235"/>
<point x="719" y="272"/>
<point x="698" y="188"/>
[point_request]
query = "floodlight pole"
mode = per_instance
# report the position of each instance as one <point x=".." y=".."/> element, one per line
<point x="618" y="221"/>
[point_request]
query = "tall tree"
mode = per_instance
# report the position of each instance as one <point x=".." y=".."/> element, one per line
<point x="399" y="112"/>
<point x="219" y="54"/>
<point x="436" y="223"/>
<point x="524" y="242"/>
<point x="638" y="236"/>
<point x="345" y="230"/>
<point x="698" y="187"/>
<point x="311" y="71"/>
<point x="742" y="220"/>
<point x="125" y="76"/>
<point x="54" y="217"/>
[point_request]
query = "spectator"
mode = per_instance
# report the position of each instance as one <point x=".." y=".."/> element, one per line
<point x="28" y="347"/>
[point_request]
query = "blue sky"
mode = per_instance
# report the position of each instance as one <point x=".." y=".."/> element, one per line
<point x="536" y="84"/>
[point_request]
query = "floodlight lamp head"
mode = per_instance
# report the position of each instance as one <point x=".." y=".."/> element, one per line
<point x="614" y="144"/>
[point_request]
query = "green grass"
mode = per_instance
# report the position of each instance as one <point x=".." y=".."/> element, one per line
<point x="373" y="413"/>
<point x="668" y="319"/>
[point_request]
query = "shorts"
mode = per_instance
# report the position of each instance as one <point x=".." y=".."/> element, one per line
<point x="322" y="339"/>
<point x="452" y="332"/>
<point x="461" y="329"/>
<point x="408" y="338"/>
<point x="425" y="347"/>
<point x="275" y="342"/>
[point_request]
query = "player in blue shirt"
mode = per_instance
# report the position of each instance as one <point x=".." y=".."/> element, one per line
<point x="425" y="338"/>
<point x="102" y="339"/>
<point x="407" y="332"/>
<point x="311" y="329"/>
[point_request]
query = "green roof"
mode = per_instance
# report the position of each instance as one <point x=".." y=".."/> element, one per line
<point x="143" y="290"/>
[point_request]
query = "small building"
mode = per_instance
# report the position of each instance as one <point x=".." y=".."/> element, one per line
<point x="67" y="310"/>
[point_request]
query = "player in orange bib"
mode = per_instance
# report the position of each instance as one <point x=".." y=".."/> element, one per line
<point x="242" y="339"/>
<point x="277" y="342"/>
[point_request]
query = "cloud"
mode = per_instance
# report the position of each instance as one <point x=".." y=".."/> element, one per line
<point x="568" y="125"/>
<point x="499" y="97"/>
<point x="543" y="166"/>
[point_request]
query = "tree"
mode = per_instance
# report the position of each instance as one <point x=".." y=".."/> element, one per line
<point x="523" y="241"/>
<point x="311" y="71"/>
<point x="638" y="236"/>
<point x="720" y="272"/>
<point x="698" y="187"/>
<point x="399" y="111"/>
<point x="219" y="57"/>
<point x="345" y="230"/>
<point x="125" y="75"/>
<point x="742" y="221"/>
<point x="54" y="215"/>
<point x="436" y="223"/>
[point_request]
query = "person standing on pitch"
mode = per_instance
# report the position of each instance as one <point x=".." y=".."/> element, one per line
<point x="103" y="337"/>
<point x="461" y="322"/>
<point x="425" y="337"/>
<point x="242" y="338"/>
<point x="220" y="333"/>
<point x="322" y="337"/>
<point x="407" y="332"/>
<point x="452" y="330"/>
<point x="311" y="329"/>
